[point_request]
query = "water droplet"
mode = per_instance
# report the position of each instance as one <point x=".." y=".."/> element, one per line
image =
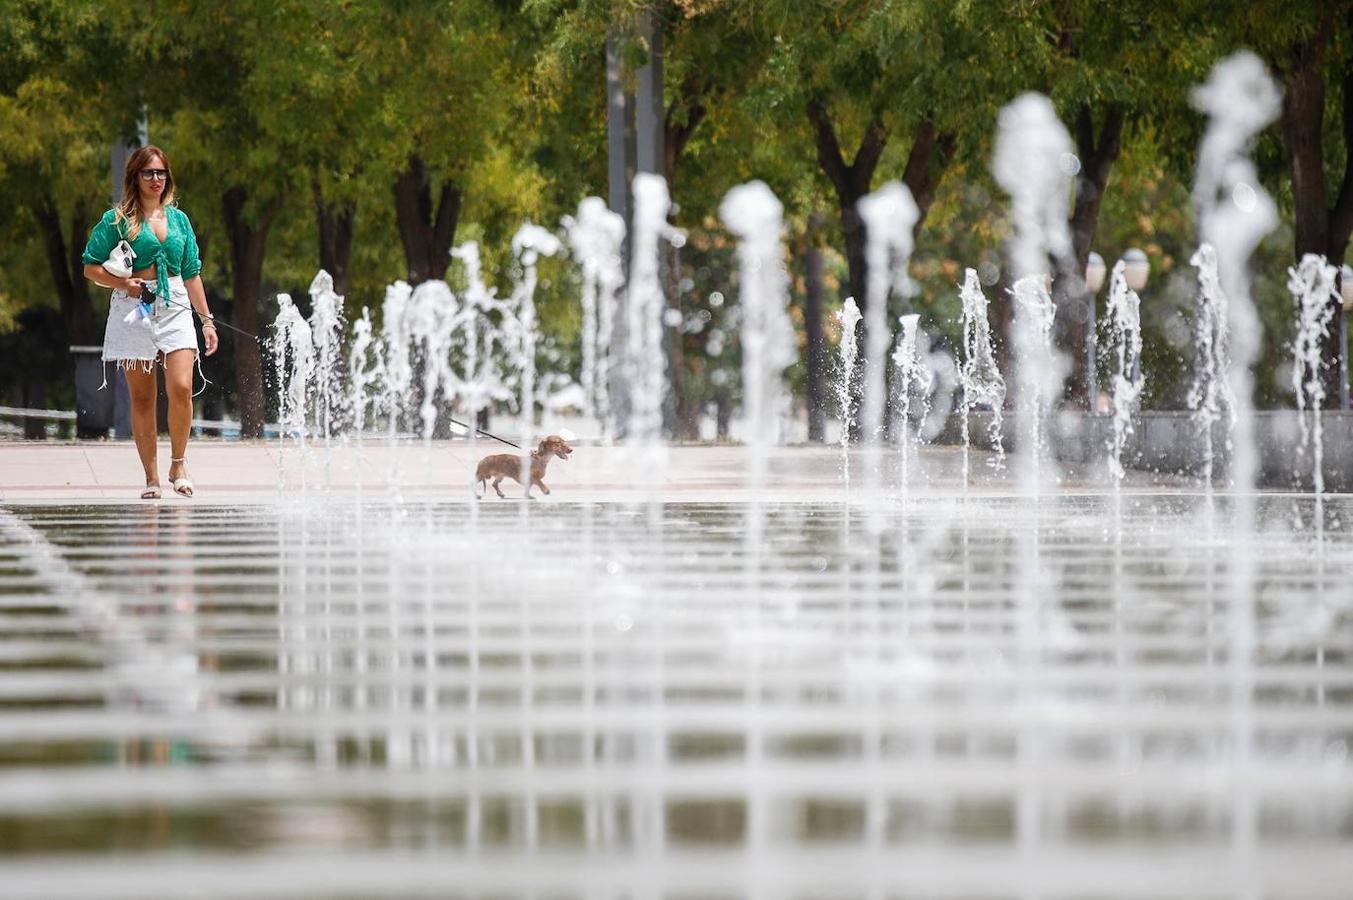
<point x="671" y="318"/>
<point x="716" y="299"/>
<point x="623" y="623"/>
<point x="1244" y="197"/>
<point x="1070" y="164"/>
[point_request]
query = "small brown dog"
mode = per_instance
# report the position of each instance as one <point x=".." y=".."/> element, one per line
<point x="506" y="465"/>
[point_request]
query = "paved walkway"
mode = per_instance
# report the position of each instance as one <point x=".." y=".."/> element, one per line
<point x="251" y="471"/>
<point x="109" y="470"/>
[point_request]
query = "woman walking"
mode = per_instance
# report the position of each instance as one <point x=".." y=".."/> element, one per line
<point x="149" y="319"/>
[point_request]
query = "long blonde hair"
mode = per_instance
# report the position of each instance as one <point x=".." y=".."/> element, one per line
<point x="129" y="209"/>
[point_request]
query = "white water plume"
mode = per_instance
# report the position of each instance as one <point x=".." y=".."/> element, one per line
<point x="1031" y="163"/>
<point x="366" y="366"/>
<point x="942" y="380"/>
<point x="645" y="365"/>
<point x="327" y="325"/>
<point x="979" y="375"/>
<point x="1040" y="374"/>
<point x="753" y="213"/>
<point x="529" y="244"/>
<point x="293" y="354"/>
<point x="909" y="375"/>
<point x="1032" y="149"/>
<point x="889" y="215"/>
<point x="430" y="313"/>
<point x="597" y="238"/>
<point x="1209" y="395"/>
<point x="848" y="350"/>
<point x="395" y="341"/>
<point x="1234" y="213"/>
<point x="476" y="301"/>
<point x="1125" y="321"/>
<point x="1312" y="283"/>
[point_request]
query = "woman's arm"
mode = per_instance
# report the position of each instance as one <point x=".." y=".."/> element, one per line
<point x="103" y="278"/>
<point x="198" y="297"/>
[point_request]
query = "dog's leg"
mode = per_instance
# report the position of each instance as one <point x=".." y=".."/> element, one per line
<point x="542" y="486"/>
<point x="497" y="482"/>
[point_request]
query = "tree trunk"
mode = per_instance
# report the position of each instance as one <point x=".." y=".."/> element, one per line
<point x="1074" y="326"/>
<point x="813" y="313"/>
<point x="851" y="181"/>
<point x="1319" y="228"/>
<point x="334" y="222"/>
<point x="930" y="153"/>
<point x="680" y="120"/>
<point x="66" y="265"/>
<point x="427" y="234"/>
<point x="248" y="242"/>
<point x="685" y="413"/>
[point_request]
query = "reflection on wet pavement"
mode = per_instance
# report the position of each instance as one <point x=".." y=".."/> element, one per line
<point x="961" y="697"/>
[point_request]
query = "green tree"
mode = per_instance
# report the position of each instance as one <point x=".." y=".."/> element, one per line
<point x="1310" y="49"/>
<point x="58" y="114"/>
<point x="1111" y="69"/>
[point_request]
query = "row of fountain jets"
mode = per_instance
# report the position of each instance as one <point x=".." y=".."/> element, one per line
<point x="473" y="350"/>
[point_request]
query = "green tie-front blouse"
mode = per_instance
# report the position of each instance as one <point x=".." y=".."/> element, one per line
<point x="176" y="255"/>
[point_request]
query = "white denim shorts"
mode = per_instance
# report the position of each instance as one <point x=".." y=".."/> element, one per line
<point x="166" y="329"/>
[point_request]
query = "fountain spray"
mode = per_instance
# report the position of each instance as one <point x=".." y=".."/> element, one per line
<point x="529" y="244"/>
<point x="597" y="237"/>
<point x="1312" y="283"/>
<point x="979" y="374"/>
<point x="889" y="214"/>
<point x="1234" y="213"/>
<point x="1125" y="316"/>
<point x="395" y="339"/>
<point x="293" y="365"/>
<point x="754" y="214"/>
<point x="645" y="366"/>
<point x="1032" y="150"/>
<point x="327" y="326"/>
<point x="1210" y="395"/>
<point x="849" y="348"/>
<point x="908" y="373"/>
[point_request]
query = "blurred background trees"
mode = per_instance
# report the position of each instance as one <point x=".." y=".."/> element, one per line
<point x="367" y="137"/>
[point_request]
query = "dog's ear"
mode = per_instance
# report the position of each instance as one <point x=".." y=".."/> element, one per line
<point x="544" y="447"/>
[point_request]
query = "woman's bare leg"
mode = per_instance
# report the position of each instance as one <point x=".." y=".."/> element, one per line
<point x="141" y="387"/>
<point x="178" y="384"/>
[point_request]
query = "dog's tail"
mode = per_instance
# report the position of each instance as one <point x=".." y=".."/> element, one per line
<point x="477" y="486"/>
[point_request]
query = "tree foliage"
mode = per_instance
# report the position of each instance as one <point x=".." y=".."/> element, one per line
<point x="367" y="136"/>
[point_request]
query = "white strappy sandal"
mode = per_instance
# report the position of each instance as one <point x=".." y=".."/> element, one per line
<point x="182" y="486"/>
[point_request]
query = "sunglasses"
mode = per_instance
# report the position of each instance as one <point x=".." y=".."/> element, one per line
<point x="152" y="174"/>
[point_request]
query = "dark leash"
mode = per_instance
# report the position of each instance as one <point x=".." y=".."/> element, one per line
<point x="212" y="319"/>
<point x="483" y="432"/>
<point x="257" y="338"/>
